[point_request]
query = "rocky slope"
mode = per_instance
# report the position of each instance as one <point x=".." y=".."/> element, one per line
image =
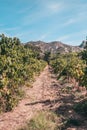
<point x="54" y="47"/>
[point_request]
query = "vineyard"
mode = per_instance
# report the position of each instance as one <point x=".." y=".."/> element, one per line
<point x="18" y="66"/>
<point x="71" y="66"/>
<point x="57" y="96"/>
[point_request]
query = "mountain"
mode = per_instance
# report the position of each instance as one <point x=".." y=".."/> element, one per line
<point x="54" y="47"/>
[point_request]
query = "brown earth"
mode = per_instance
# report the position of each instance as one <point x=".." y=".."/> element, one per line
<point x="46" y="94"/>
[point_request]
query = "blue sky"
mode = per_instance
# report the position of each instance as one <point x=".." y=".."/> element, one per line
<point x="47" y="20"/>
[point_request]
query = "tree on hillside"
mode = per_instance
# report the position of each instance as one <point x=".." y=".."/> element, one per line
<point x="84" y="53"/>
<point x="84" y="57"/>
<point x="47" y="56"/>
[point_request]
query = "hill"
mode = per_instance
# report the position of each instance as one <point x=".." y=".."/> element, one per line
<point x="54" y="47"/>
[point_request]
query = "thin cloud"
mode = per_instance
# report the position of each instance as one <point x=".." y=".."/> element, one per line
<point x="9" y="28"/>
<point x="55" y="7"/>
<point x="24" y="35"/>
<point x="45" y="10"/>
<point x="44" y="36"/>
<point x="73" y="42"/>
<point x="70" y="21"/>
<point x="65" y="37"/>
<point x="78" y="18"/>
<point x="28" y="8"/>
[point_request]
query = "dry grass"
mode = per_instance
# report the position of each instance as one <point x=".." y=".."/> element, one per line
<point x="43" y="120"/>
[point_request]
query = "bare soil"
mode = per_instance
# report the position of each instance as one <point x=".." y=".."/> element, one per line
<point x="46" y="94"/>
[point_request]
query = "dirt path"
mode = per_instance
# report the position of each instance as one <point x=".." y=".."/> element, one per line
<point x="46" y="94"/>
<point x="39" y="94"/>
